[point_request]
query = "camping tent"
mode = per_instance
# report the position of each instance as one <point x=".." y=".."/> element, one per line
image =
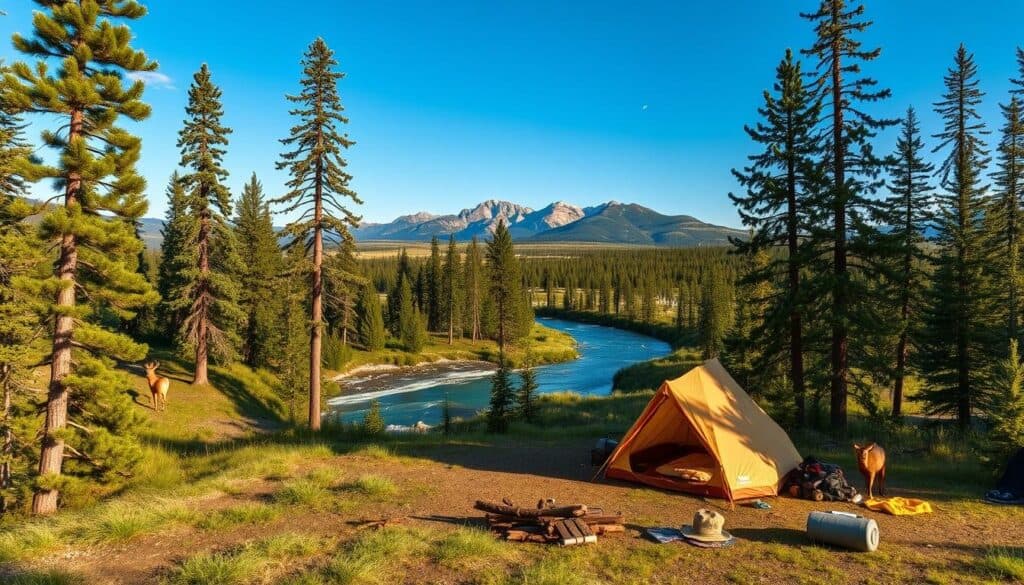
<point x="701" y="433"/>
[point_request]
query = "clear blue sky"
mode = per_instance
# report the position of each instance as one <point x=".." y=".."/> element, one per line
<point x="532" y="101"/>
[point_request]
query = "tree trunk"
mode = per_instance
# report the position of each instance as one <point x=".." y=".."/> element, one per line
<point x="316" y="329"/>
<point x="796" y="344"/>
<point x="203" y="301"/>
<point x="840" y="301"/>
<point x="51" y="457"/>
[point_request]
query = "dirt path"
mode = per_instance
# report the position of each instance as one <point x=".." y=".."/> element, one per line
<point x="438" y="486"/>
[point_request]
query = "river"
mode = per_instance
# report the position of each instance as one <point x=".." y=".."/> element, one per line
<point x="410" y="395"/>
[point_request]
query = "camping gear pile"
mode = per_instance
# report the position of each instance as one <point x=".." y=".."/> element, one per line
<point x="702" y="434"/>
<point x="550" y="524"/>
<point x="818" y="481"/>
<point x="1010" y="489"/>
<point x="843" y="529"/>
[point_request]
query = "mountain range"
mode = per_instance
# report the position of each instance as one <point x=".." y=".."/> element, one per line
<point x="610" y="223"/>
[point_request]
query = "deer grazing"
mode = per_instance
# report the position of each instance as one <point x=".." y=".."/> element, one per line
<point x="871" y="461"/>
<point x="158" y="386"/>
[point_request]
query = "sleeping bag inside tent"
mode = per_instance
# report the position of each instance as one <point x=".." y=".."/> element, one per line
<point x="701" y="433"/>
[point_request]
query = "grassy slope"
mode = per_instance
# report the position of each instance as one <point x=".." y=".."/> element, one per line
<point x="257" y="507"/>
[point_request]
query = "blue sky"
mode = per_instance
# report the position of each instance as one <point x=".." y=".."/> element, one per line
<point x="531" y="101"/>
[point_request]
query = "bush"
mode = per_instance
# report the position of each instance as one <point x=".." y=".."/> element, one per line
<point x="373" y="422"/>
<point x="336" y="354"/>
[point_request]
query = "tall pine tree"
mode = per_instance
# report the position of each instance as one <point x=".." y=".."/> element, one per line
<point x="474" y="288"/>
<point x="779" y="181"/>
<point x="452" y="291"/>
<point x="318" y="187"/>
<point x="505" y="288"/>
<point x="842" y="228"/>
<point x="957" y="340"/>
<point x="907" y="213"/>
<point x="177" y="255"/>
<point x="208" y="294"/>
<point x="89" y="420"/>
<point x="260" y="269"/>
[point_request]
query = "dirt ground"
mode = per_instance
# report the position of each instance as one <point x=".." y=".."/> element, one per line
<point x="437" y="487"/>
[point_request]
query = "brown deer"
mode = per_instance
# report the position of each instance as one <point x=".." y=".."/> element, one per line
<point x="158" y="386"/>
<point x="871" y="461"/>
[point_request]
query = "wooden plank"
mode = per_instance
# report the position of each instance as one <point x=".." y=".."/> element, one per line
<point x="518" y="512"/>
<point x="574" y="530"/>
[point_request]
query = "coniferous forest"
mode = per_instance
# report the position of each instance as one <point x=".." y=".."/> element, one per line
<point x="874" y="285"/>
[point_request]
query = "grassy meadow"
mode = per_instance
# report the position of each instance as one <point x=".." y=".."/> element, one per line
<point x="232" y="493"/>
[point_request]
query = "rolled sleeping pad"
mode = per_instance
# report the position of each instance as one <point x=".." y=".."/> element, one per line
<point x="843" y="529"/>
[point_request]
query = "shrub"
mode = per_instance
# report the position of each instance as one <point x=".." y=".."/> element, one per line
<point x="373" y="422"/>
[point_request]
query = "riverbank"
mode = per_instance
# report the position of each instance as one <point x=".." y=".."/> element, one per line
<point x="410" y="395"/>
<point x="645" y="375"/>
<point x="542" y="346"/>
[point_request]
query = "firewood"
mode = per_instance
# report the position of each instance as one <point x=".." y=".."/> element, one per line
<point x="602" y="529"/>
<point x="518" y="512"/>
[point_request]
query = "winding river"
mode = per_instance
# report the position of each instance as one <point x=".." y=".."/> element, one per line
<point x="410" y="395"/>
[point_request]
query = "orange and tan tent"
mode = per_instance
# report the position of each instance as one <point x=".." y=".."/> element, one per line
<point x="701" y="433"/>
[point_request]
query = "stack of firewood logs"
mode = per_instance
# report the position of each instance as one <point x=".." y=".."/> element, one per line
<point x="548" y="523"/>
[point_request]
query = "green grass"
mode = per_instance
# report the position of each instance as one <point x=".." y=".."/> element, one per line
<point x="650" y="374"/>
<point x="373" y="486"/>
<point x="1003" y="563"/>
<point x="470" y="549"/>
<point x="254" y="561"/>
<point x="51" y="577"/>
<point x="303" y="492"/>
<point x="377" y="557"/>
<point x="250" y="513"/>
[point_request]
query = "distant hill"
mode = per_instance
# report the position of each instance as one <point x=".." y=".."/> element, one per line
<point x="629" y="223"/>
<point x="611" y="223"/>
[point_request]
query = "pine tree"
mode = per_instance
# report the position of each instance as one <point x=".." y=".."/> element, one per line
<point x="716" y="313"/>
<point x="502" y="395"/>
<point x="474" y="287"/>
<point x="91" y="230"/>
<point x="433" y="301"/>
<point x="22" y="317"/>
<point x="291" y="367"/>
<point x="342" y="283"/>
<point x="452" y="291"/>
<point x="505" y="288"/>
<point x="842" y="228"/>
<point x="526" y="397"/>
<point x="261" y="267"/>
<point x="956" y="343"/>
<point x="318" y="186"/>
<point x="778" y="182"/>
<point x="371" y="321"/>
<point x="1004" y="404"/>
<point x="373" y="422"/>
<point x="394" y="295"/>
<point x="907" y="213"/>
<point x="1006" y="213"/>
<point x="412" y="325"/>
<point x="177" y="255"/>
<point x="209" y="293"/>
<point x="446" y="415"/>
<point x="746" y="345"/>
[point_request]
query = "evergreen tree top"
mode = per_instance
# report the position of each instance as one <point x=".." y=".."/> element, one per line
<point x="315" y="160"/>
<point x="94" y="54"/>
<point x="202" y="140"/>
<point x="963" y="126"/>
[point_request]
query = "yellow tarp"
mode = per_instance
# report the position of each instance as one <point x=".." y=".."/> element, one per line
<point x="707" y="411"/>
<point x="899" y="506"/>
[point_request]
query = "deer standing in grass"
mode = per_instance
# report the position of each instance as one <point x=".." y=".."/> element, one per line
<point x="158" y="386"/>
<point x="871" y="461"/>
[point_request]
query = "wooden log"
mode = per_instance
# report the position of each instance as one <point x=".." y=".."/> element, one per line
<point x="602" y="529"/>
<point x="518" y="512"/>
